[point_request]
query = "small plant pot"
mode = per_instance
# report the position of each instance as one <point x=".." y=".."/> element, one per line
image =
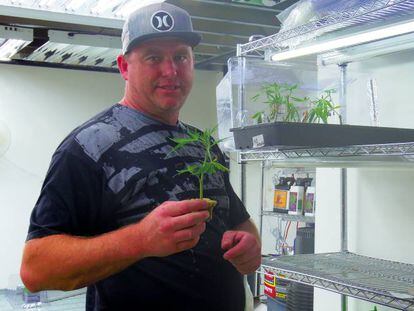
<point x="210" y="207"/>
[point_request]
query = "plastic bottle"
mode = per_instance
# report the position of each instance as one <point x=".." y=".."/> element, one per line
<point x="309" y="198"/>
<point x="296" y="196"/>
<point x="281" y="194"/>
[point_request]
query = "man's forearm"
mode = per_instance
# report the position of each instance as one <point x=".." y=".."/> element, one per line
<point x="65" y="262"/>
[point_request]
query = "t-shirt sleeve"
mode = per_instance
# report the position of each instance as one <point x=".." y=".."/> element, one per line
<point x="70" y="198"/>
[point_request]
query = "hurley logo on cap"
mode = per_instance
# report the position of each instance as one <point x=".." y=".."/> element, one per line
<point x="162" y="21"/>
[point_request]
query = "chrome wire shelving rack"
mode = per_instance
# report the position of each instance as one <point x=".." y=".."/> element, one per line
<point x="375" y="280"/>
<point x="370" y="11"/>
<point x="395" y="154"/>
<point x="288" y="217"/>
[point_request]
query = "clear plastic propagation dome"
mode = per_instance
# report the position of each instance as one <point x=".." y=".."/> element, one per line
<point x="244" y="93"/>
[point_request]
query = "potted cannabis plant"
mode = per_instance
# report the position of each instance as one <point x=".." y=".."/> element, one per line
<point x="209" y="165"/>
<point x="281" y="102"/>
<point x="285" y="105"/>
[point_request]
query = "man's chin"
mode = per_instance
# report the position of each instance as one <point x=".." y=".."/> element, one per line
<point x="171" y="105"/>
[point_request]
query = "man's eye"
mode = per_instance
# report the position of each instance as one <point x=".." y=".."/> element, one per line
<point x="181" y="58"/>
<point x="154" y="59"/>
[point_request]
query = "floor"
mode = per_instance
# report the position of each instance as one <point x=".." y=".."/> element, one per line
<point x="12" y="300"/>
<point x="260" y="307"/>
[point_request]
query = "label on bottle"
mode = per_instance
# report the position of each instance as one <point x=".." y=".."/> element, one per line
<point x="309" y="202"/>
<point x="300" y="206"/>
<point x="280" y="199"/>
<point x="293" y="198"/>
<point x="270" y="291"/>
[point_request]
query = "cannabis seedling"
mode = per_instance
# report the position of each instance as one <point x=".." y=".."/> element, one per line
<point x="322" y="108"/>
<point x="279" y="97"/>
<point x="210" y="164"/>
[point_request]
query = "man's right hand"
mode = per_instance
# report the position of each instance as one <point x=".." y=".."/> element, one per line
<point x="172" y="227"/>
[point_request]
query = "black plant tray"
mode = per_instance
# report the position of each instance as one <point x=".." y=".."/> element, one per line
<point x="293" y="134"/>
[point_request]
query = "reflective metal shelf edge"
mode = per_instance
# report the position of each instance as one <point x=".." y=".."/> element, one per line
<point x="379" y="281"/>
<point x="347" y="156"/>
<point x="288" y="217"/>
<point x="370" y="12"/>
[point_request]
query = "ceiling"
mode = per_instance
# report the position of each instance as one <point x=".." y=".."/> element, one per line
<point x="79" y="34"/>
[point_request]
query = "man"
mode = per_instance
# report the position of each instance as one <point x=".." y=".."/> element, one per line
<point x="113" y="213"/>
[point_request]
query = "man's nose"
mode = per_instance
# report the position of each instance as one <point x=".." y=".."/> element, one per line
<point x="169" y="68"/>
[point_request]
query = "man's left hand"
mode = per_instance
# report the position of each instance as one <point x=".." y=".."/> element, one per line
<point x="243" y="250"/>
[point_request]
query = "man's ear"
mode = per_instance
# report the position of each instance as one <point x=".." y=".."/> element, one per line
<point x="123" y="66"/>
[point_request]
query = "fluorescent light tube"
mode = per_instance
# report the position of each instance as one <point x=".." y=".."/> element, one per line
<point x="347" y="41"/>
<point x="369" y="50"/>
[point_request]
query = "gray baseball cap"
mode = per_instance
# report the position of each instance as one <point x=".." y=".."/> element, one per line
<point x="157" y="21"/>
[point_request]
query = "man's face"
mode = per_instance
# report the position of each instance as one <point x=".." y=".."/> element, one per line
<point x="159" y="75"/>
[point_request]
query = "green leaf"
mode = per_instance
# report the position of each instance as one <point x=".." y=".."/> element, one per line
<point x="220" y="167"/>
<point x="300" y="100"/>
<point x="209" y="165"/>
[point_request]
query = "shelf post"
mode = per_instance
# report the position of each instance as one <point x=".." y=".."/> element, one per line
<point x="262" y="167"/>
<point x="343" y="182"/>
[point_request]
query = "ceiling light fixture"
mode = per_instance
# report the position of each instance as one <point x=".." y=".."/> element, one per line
<point x="348" y="41"/>
<point x="11" y="47"/>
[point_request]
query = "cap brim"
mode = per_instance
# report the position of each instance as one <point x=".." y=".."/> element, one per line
<point x="191" y="38"/>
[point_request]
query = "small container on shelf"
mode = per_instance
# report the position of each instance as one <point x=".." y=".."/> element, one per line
<point x="296" y="196"/>
<point x="281" y="194"/>
<point x="309" y="202"/>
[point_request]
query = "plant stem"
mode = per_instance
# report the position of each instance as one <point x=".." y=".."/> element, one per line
<point x="207" y="156"/>
<point x="200" y="180"/>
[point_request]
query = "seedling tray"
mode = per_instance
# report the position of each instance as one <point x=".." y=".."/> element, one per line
<point x="293" y="134"/>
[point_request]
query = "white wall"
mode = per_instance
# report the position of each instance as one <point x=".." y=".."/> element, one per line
<point x="41" y="106"/>
<point x="381" y="213"/>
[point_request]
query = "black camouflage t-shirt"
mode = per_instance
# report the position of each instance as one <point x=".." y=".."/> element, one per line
<point x="111" y="172"/>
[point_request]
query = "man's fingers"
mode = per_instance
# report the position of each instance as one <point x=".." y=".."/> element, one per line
<point x="243" y="259"/>
<point x="229" y="239"/>
<point x="189" y="233"/>
<point x="188" y="220"/>
<point x="235" y="251"/>
<point x="244" y="244"/>
<point x="178" y="208"/>
<point x="246" y="263"/>
<point x="248" y="268"/>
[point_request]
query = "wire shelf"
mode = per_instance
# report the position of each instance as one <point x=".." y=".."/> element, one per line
<point x="347" y="156"/>
<point x="288" y="217"/>
<point x="369" y="13"/>
<point x="380" y="281"/>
